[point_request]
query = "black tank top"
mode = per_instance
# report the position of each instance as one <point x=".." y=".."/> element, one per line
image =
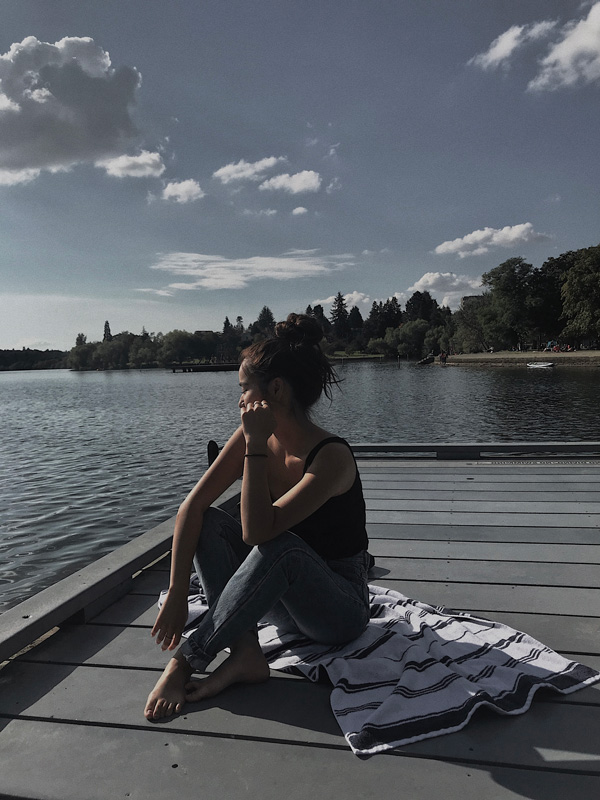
<point x="338" y="528"/>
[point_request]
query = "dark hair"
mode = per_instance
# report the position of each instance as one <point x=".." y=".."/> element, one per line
<point x="295" y="355"/>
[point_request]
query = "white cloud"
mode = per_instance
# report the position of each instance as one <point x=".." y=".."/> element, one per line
<point x="144" y="165"/>
<point x="299" y="210"/>
<point x="305" y="181"/>
<point x="447" y="287"/>
<point x="572" y="58"/>
<point x="480" y="241"/>
<point x="502" y="48"/>
<point x="6" y="104"/>
<point x="357" y="299"/>
<point x="247" y="171"/>
<point x="12" y="177"/>
<point x="263" y="212"/>
<point x="383" y="251"/>
<point x="158" y="292"/>
<point x="182" y="191"/>
<point x="351" y="298"/>
<point x="65" y="104"/>
<point x="575" y="58"/>
<point x="218" y="272"/>
<point x="333" y="186"/>
<point x="296" y="252"/>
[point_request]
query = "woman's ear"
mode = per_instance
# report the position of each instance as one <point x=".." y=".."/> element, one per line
<point x="276" y="388"/>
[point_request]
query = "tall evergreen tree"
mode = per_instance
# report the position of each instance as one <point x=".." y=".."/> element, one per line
<point x="391" y="314"/>
<point x="421" y="306"/>
<point x="319" y="315"/>
<point x="372" y="328"/>
<point x="107" y="334"/>
<point x="266" y="321"/>
<point x="339" y="317"/>
<point x="355" y="320"/>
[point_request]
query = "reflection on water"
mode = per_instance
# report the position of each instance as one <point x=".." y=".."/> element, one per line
<point x="90" y="460"/>
<point x="406" y="403"/>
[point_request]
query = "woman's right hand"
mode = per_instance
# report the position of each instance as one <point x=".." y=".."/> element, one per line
<point x="171" y="620"/>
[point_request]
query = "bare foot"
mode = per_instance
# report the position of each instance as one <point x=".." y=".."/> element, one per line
<point x="246" y="664"/>
<point x="168" y="696"/>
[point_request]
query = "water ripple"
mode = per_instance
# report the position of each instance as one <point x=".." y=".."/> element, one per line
<point x="88" y="461"/>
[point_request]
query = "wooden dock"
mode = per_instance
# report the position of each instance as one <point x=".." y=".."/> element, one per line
<point x="503" y="531"/>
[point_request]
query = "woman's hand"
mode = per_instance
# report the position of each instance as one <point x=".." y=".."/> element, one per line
<point x="170" y="621"/>
<point x="258" y="422"/>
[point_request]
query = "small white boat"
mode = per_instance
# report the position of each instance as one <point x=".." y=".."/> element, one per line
<point x="541" y="364"/>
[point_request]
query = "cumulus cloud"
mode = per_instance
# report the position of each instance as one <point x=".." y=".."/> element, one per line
<point x="480" y="241"/>
<point x="574" y="58"/>
<point x="502" y="48"/>
<point x="305" y="181"/>
<point x="62" y="104"/>
<point x="144" y="165"/>
<point x="571" y="58"/>
<point x="182" y="191"/>
<point x="247" y="171"/>
<point x="299" y="210"/>
<point x="447" y="287"/>
<point x="217" y="272"/>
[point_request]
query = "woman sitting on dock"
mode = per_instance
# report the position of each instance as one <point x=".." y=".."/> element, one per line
<point x="299" y="556"/>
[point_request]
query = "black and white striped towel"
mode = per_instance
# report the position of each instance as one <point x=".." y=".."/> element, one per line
<point x="420" y="671"/>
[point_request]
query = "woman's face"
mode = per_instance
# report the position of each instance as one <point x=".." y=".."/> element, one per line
<point x="251" y="391"/>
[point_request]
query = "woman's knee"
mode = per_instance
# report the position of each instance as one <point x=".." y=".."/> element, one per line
<point x="218" y="527"/>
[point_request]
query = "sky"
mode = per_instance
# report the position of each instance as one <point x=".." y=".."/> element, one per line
<point x="166" y="164"/>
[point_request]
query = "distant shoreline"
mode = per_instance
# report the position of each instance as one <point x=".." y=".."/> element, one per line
<point x="505" y="358"/>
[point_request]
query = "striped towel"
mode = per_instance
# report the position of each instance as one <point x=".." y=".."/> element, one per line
<point x="420" y="671"/>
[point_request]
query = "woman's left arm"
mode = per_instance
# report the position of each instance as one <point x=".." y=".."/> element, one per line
<point x="331" y="473"/>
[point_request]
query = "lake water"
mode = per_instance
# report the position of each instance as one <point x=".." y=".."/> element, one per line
<point x="90" y="460"/>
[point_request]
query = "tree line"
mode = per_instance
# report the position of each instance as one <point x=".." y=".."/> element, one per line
<point x="522" y="307"/>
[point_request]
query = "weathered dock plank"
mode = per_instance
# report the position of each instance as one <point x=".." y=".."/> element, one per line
<point x="513" y="541"/>
<point x="156" y="763"/>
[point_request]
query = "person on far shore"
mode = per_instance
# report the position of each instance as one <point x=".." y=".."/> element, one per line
<point x="299" y="557"/>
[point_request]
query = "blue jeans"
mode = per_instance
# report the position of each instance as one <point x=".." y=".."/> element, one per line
<point x="282" y="580"/>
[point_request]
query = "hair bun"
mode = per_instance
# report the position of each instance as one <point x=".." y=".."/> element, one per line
<point x="299" y="329"/>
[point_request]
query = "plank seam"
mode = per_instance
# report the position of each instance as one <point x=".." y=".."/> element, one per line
<point x="159" y="729"/>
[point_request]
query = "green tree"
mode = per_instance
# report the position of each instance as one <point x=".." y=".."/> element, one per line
<point x="476" y="329"/>
<point x="581" y="296"/>
<point x="107" y="334"/>
<point x="81" y="356"/>
<point x="544" y="301"/>
<point x="142" y="351"/>
<point x="264" y="325"/>
<point x="510" y="288"/>
<point x="176" y="347"/>
<point x="422" y="306"/>
<point x="355" y="320"/>
<point x="373" y="327"/>
<point x="411" y="338"/>
<point x="339" y="318"/>
<point x="319" y="315"/>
